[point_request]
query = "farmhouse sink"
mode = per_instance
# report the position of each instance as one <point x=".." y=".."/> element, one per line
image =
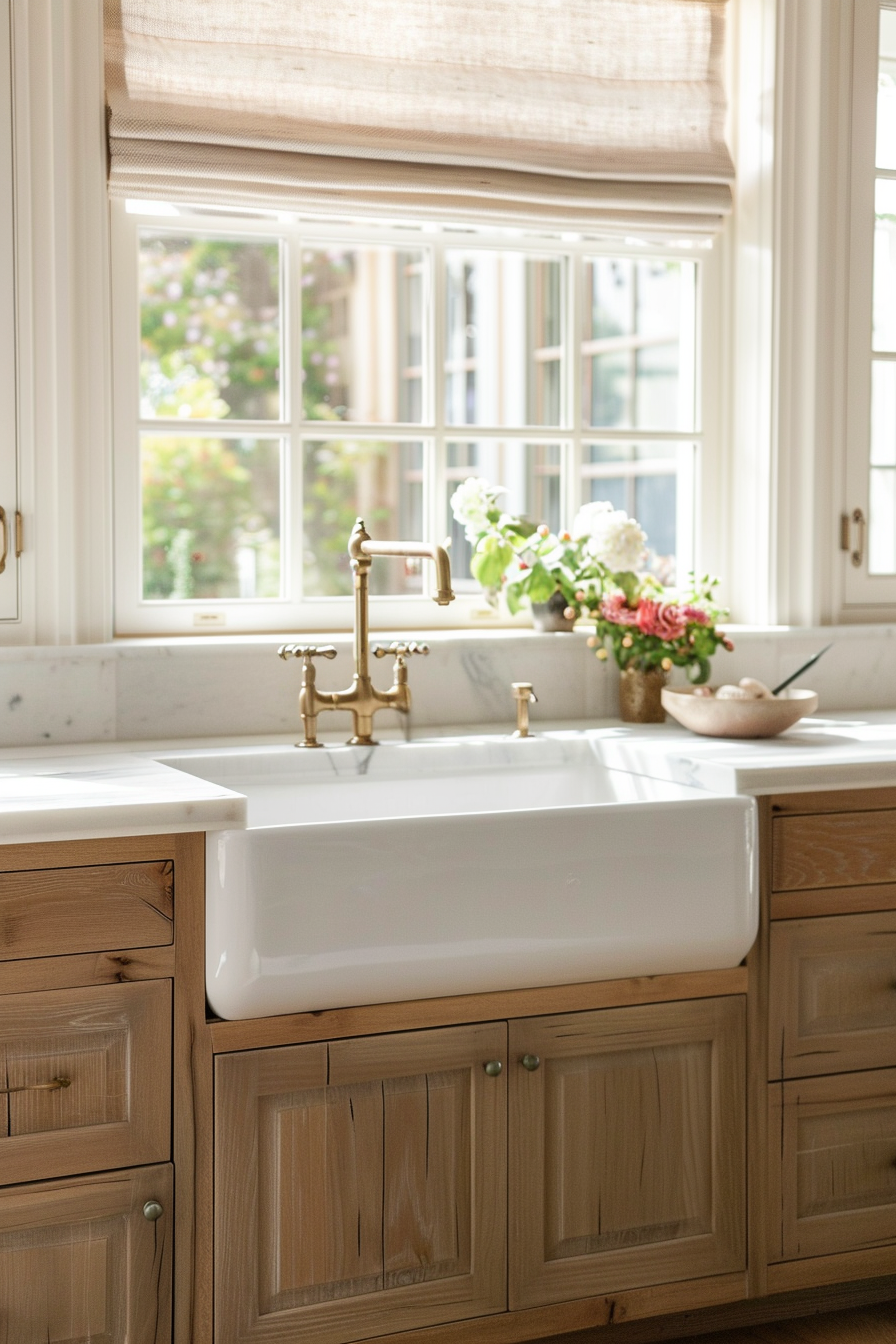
<point x="412" y="870"/>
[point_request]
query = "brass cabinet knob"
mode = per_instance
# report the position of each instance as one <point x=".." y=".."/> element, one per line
<point x="152" y="1210"/>
<point x="530" y="1062"/>
<point x="493" y="1068"/>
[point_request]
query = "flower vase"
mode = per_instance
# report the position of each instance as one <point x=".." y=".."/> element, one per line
<point x="640" y="693"/>
<point x="549" y="615"/>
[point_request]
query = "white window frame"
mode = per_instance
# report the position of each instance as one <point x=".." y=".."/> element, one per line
<point x="865" y="596"/>
<point x="164" y="617"/>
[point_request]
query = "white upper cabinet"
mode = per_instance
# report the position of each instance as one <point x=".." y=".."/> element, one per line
<point x="9" y="584"/>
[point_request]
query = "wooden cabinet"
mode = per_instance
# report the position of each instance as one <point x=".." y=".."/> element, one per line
<point x="834" y="1186"/>
<point x="831" y="1049"/>
<point x="627" y="1148"/>
<point x="360" y="1185"/>
<point x="81" y="1263"/>
<point x="86" y="1087"/>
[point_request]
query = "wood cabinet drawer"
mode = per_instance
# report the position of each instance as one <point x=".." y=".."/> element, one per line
<point x="112" y="1043"/>
<point x="832" y="1146"/>
<point x="48" y="910"/>
<point x="79" y="1260"/>
<point x="833" y="850"/>
<point x="832" y="1004"/>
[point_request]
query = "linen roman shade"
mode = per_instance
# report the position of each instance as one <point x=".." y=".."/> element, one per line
<point x="578" y="114"/>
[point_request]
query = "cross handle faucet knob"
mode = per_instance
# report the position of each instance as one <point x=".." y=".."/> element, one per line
<point x="306" y="651"/>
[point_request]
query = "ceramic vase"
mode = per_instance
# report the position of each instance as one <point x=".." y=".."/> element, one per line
<point x="639" y="695"/>
<point x="549" y="615"/>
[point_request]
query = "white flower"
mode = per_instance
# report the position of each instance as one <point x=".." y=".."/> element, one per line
<point x="613" y="538"/>
<point x="585" y="521"/>
<point x="471" y="503"/>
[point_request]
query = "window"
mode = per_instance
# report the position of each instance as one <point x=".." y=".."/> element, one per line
<point x="277" y="377"/>
<point x="870" y="522"/>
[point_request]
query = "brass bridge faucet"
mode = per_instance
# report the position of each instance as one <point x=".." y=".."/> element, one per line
<point x="362" y="699"/>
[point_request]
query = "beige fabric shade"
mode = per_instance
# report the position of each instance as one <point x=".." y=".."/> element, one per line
<point x="577" y="114"/>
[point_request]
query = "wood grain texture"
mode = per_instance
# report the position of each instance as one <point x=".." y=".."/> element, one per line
<point x="833" y="995"/>
<point x="120" y="966"/>
<point x="834" y="850"/>
<point x="832" y="1172"/>
<point x="832" y="800"/>
<point x="804" y="1308"/>
<point x="601" y="1317"/>
<point x="86" y="909"/>
<point x="833" y="901"/>
<point x="628" y="1148"/>
<point x="113" y="1043"/>
<point x="193" y="1110"/>
<point x="79" y="1261"/>
<point x="360" y="1186"/>
<point x="296" y="1028"/>
<point x="757" y="1056"/>
<point x="824" y="1271"/>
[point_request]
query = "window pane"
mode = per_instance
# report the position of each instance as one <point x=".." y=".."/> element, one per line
<point x="642" y="479"/>
<point x="885" y="265"/>
<point x="886" y="92"/>
<point x="503" y="363"/>
<point x="347" y="479"/>
<point x="530" y="474"/>
<point x="883" y="414"/>
<point x="882" y="521"/>
<point x="211" y="517"/>
<point x="210" y="328"/>
<point x="638" y="345"/>
<point x="362" y="334"/>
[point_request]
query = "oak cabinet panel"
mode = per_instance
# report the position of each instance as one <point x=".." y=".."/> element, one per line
<point x="81" y="1264"/>
<point x="111" y="1045"/>
<point x="48" y="910"/>
<point x="832" y="1157"/>
<point x="627" y="1149"/>
<point x="832" y="1005"/>
<point x="360" y="1186"/>
<point x="833" y="850"/>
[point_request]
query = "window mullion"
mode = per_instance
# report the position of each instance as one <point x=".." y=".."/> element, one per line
<point x="574" y="454"/>
<point x="437" y="328"/>
<point x="293" y="530"/>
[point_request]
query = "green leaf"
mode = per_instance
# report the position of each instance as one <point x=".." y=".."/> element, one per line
<point x="490" y="561"/>
<point x="514" y="595"/>
<point x="542" y="584"/>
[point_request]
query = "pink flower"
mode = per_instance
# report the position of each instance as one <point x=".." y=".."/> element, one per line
<point x="615" y="609"/>
<point x="696" y="615"/>
<point x="663" y="619"/>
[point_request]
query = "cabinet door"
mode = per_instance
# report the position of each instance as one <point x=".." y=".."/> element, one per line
<point x="832" y="1150"/>
<point x="80" y="1263"/>
<point x="360" y="1186"/>
<point x="627" y="1148"/>
<point x="832" y="1003"/>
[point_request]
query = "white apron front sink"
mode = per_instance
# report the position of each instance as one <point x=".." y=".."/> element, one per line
<point x="414" y="870"/>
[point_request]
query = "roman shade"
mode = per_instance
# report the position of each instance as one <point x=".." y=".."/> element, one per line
<point x="577" y="114"/>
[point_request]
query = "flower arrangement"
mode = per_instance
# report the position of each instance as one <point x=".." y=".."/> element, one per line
<point x="513" y="555"/>
<point x="598" y="567"/>
<point x="645" y="630"/>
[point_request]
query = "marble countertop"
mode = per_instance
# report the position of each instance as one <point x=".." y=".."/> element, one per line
<point x="87" y="794"/>
<point x="836" y="751"/>
<point x="85" y="791"/>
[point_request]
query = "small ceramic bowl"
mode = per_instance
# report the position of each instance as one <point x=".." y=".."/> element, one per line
<point x="737" y="718"/>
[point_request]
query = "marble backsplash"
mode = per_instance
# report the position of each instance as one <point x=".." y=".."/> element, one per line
<point x="139" y="690"/>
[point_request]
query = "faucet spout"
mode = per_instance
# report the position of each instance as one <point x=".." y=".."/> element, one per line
<point x="361" y="545"/>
